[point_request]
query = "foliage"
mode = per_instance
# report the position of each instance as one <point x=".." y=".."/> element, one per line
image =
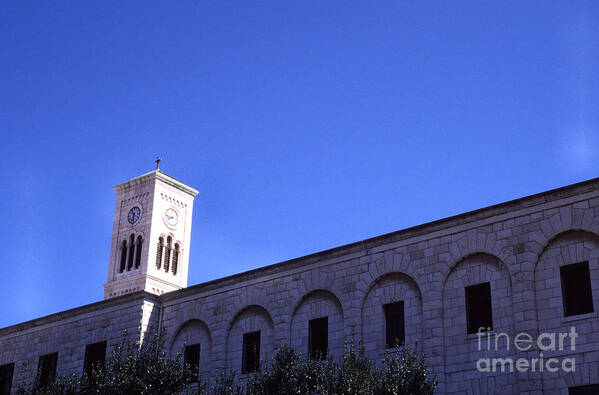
<point x="138" y="368"/>
<point x="62" y="385"/>
<point x="403" y="373"/>
<point x="134" y="367"/>
<point x="143" y="368"/>
<point x="288" y="373"/>
<point x="357" y="374"/>
<point x="225" y="384"/>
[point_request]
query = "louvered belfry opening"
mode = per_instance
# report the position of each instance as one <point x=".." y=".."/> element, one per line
<point x="159" y="251"/>
<point x="138" y="245"/>
<point x="175" y="259"/>
<point x="123" y="255"/>
<point x="131" y="252"/>
<point x="167" y="253"/>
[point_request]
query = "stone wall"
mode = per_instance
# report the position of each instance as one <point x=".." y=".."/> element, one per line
<point x="69" y="332"/>
<point x="516" y="246"/>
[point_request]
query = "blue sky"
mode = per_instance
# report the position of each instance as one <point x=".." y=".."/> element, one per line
<point x="304" y="125"/>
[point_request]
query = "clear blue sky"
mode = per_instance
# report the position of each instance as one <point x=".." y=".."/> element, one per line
<point x="304" y="124"/>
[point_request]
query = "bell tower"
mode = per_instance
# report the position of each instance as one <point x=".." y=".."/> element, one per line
<point x="150" y="235"/>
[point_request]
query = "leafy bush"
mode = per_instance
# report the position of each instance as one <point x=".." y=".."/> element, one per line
<point x="288" y="373"/>
<point x="403" y="372"/>
<point x="134" y="367"/>
<point x="139" y="368"/>
<point x="143" y="368"/>
<point x="225" y="385"/>
<point x="357" y="374"/>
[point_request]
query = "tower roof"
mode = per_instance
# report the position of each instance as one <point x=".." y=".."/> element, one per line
<point x="159" y="175"/>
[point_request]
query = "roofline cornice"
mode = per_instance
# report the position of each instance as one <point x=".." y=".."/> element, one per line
<point x="74" y="312"/>
<point x="156" y="175"/>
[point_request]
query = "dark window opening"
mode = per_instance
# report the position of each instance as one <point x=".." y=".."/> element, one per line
<point x="95" y="356"/>
<point x="175" y="259"/>
<point x="592" y="389"/>
<point x="138" y="252"/>
<point x="6" y="372"/>
<point x="131" y="251"/>
<point x="318" y="338"/>
<point x="191" y="357"/>
<point x="478" y="307"/>
<point x="394" y="324"/>
<point x="159" y="252"/>
<point x="167" y="254"/>
<point x="250" y="359"/>
<point x="577" y="295"/>
<point x="123" y="255"/>
<point x="46" y="369"/>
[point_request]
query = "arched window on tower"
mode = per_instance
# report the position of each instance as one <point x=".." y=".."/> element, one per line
<point x="175" y="259"/>
<point x="123" y="255"/>
<point x="167" y="253"/>
<point x="131" y="251"/>
<point x="159" y="251"/>
<point x="138" y="251"/>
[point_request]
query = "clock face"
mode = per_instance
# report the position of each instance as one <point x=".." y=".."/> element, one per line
<point x="134" y="215"/>
<point x="171" y="217"/>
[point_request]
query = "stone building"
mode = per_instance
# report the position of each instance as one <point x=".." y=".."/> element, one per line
<point x="528" y="266"/>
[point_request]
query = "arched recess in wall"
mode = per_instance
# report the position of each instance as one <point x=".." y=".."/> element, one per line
<point x="194" y="332"/>
<point x="572" y="249"/>
<point x="389" y="290"/>
<point x="317" y="304"/>
<point x="250" y="319"/>
<point x="477" y="269"/>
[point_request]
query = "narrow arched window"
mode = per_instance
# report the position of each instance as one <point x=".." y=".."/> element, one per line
<point x="167" y="254"/>
<point x="159" y="250"/>
<point x="138" y="252"/>
<point x="123" y="255"/>
<point x="131" y="251"/>
<point x="175" y="259"/>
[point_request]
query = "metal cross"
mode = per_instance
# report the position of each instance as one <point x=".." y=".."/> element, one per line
<point x="158" y="163"/>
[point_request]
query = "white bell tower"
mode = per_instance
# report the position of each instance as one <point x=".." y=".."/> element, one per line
<point x="150" y="235"/>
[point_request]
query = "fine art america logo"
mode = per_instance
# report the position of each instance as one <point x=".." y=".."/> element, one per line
<point x="545" y="342"/>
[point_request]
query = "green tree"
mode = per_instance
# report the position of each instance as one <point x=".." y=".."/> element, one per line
<point x="357" y="374"/>
<point x="143" y="368"/>
<point x="134" y="367"/>
<point x="139" y="368"/>
<point x="287" y="373"/>
<point x="224" y="384"/>
<point x="403" y="372"/>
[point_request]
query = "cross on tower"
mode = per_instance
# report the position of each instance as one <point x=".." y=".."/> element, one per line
<point x="158" y="160"/>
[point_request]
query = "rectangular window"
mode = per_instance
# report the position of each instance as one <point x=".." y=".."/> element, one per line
<point x="95" y="355"/>
<point x="191" y="357"/>
<point x="577" y="296"/>
<point x="592" y="389"/>
<point x="46" y="368"/>
<point x="6" y="372"/>
<point x="318" y="338"/>
<point x="394" y="324"/>
<point x="478" y="307"/>
<point x="250" y="359"/>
